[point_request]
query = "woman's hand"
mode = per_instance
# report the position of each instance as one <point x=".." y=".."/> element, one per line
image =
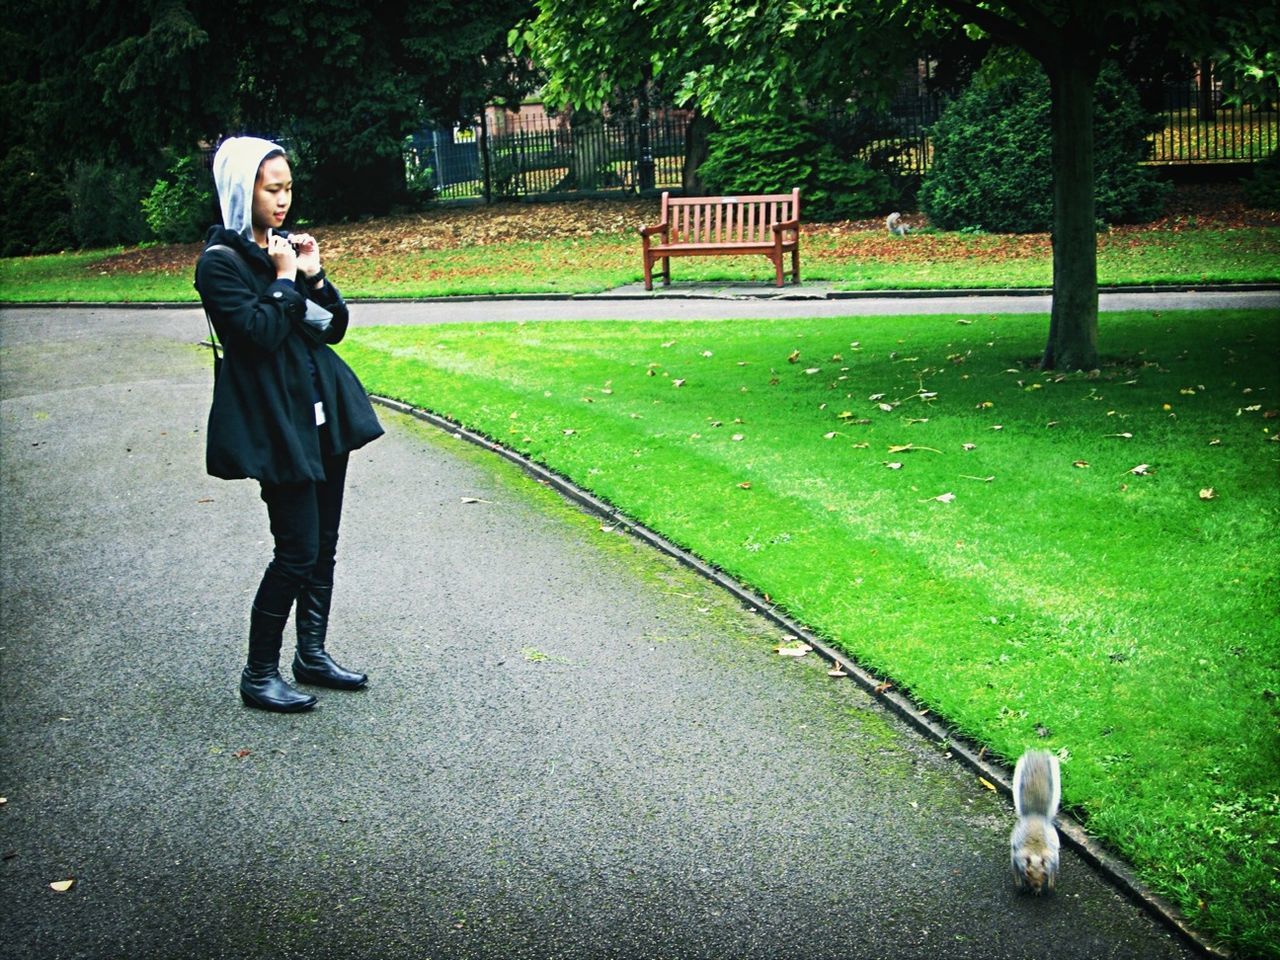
<point x="283" y="256"/>
<point x="308" y="253"/>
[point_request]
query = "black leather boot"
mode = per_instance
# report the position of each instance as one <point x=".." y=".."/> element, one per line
<point x="261" y="685"/>
<point x="311" y="664"/>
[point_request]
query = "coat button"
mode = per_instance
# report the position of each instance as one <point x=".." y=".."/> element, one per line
<point x="277" y="294"/>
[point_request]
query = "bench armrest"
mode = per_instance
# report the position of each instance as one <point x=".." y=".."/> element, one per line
<point x="661" y="228"/>
<point x="787" y="225"/>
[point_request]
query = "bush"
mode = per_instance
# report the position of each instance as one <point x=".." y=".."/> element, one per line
<point x="33" y="206"/>
<point x="992" y="154"/>
<point x="774" y="155"/>
<point x="179" y="207"/>
<point x="106" y="207"/>
<point x="1262" y="190"/>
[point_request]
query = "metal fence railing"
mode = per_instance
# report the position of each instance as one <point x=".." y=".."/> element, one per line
<point x="1199" y="129"/>
<point x="550" y="156"/>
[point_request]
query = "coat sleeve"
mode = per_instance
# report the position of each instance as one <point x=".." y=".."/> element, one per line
<point x="329" y="298"/>
<point x="239" y="313"/>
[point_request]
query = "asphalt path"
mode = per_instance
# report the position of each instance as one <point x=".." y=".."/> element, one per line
<point x="570" y="747"/>
<point x="726" y="303"/>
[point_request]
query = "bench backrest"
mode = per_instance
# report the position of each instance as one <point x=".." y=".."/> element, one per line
<point x="728" y="219"/>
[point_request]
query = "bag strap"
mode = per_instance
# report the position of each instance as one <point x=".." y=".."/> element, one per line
<point x="218" y="350"/>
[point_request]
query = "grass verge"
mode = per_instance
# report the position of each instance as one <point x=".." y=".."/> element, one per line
<point x="1080" y="562"/>
<point x="851" y="260"/>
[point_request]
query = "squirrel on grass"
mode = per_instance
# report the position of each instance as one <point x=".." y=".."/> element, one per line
<point x="1037" y="788"/>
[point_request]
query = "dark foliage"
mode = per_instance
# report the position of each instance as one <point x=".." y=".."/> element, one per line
<point x="992" y="160"/>
<point x="774" y="155"/>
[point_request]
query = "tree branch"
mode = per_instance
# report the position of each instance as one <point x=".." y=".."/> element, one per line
<point x="1020" y="35"/>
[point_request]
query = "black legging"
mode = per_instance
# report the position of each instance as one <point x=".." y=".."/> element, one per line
<point x="304" y="522"/>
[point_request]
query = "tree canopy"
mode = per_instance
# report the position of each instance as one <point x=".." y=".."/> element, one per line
<point x="126" y="81"/>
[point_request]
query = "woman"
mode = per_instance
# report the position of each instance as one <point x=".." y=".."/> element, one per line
<point x="287" y="411"/>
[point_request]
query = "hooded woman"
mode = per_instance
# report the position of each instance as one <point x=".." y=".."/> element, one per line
<point x="287" y="411"/>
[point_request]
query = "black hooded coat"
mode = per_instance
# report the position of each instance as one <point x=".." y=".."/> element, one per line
<point x="262" y="422"/>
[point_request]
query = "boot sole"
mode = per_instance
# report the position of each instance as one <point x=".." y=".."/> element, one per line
<point x="271" y="706"/>
<point x="328" y="684"/>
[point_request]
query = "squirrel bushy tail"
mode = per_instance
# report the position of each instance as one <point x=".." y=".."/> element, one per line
<point x="1033" y="848"/>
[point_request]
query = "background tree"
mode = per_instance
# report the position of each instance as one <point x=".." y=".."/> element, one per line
<point x="127" y="84"/>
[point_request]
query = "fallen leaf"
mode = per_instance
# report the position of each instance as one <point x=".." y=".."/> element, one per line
<point x="745" y="485"/>
<point x="62" y="886"/>
<point x="1082" y="464"/>
<point x="738" y="436"/>
<point x="569" y="433"/>
<point x="987" y="783"/>
<point x="794" y="356"/>
<point x="965" y="476"/>
<point x="1141" y="470"/>
<point x="837" y="671"/>
<point x="886" y="407"/>
<point x="829" y="436"/>
<point x="241" y="754"/>
<point x="795" y="649"/>
<point x="1215" y="442"/>
<point x="1208" y="493"/>
<point x="969" y="446"/>
<point x="475" y="500"/>
<point x="1122" y="436"/>
<point x="812" y="370"/>
<point x="884" y="688"/>
<point x="893" y="466"/>
<point x="677" y="383"/>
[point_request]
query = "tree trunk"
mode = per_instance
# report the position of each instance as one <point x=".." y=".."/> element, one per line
<point x="354" y="185"/>
<point x="1073" y="323"/>
<point x="589" y="154"/>
<point x="695" y="151"/>
<point x="1204" y="92"/>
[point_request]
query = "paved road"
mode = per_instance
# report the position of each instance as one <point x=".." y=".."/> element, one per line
<point x="570" y="747"/>
<point x="734" y="302"/>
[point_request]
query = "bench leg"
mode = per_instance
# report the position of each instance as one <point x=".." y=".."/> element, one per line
<point x="795" y="265"/>
<point x="648" y="271"/>
<point x="666" y="271"/>
<point x="777" y="268"/>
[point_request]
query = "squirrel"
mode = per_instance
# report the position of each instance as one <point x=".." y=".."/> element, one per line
<point x="893" y="223"/>
<point x="1033" y="847"/>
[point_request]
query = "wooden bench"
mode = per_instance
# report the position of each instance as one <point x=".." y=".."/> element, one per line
<point x="722" y="227"/>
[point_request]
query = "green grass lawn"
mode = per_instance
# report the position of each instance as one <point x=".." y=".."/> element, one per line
<point x="854" y="260"/>
<point x="1084" y="563"/>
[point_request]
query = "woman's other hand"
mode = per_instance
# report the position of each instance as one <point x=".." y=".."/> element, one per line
<point x="308" y="253"/>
